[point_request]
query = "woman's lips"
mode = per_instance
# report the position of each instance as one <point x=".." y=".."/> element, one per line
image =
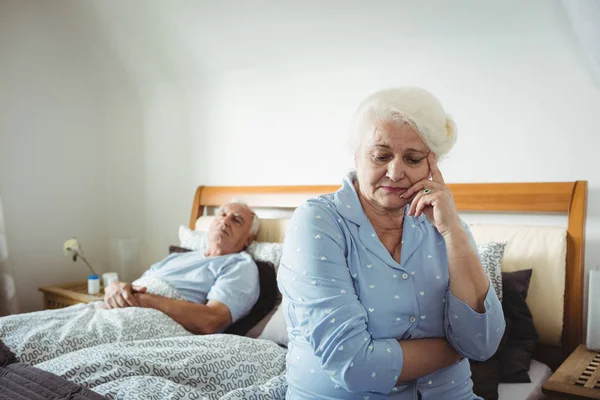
<point x="392" y="189"/>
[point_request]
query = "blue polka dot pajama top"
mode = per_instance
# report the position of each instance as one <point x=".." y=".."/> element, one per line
<point x="347" y="302"/>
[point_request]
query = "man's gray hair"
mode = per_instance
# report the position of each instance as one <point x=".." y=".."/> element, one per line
<point x="255" y="221"/>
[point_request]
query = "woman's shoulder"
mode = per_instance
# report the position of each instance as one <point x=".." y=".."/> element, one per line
<point x="318" y="212"/>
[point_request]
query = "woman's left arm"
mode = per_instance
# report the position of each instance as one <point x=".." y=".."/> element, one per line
<point x="474" y="319"/>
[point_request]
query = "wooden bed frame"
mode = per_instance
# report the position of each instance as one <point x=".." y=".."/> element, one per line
<point x="542" y="197"/>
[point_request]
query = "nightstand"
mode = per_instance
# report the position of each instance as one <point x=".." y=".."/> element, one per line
<point x="68" y="294"/>
<point x="578" y="377"/>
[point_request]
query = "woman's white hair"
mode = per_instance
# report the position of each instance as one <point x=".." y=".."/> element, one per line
<point x="255" y="221"/>
<point x="412" y="105"/>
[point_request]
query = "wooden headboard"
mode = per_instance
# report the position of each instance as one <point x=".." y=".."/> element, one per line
<point x="540" y="197"/>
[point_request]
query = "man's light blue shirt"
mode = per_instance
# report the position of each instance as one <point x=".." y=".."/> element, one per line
<point x="231" y="279"/>
<point x="347" y="302"/>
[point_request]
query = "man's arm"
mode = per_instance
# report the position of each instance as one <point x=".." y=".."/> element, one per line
<point x="201" y="319"/>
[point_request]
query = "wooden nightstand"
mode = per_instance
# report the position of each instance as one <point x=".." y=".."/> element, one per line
<point x="68" y="294"/>
<point x="578" y="377"/>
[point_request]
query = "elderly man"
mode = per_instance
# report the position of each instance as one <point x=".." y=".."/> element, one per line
<point x="199" y="292"/>
<point x="219" y="285"/>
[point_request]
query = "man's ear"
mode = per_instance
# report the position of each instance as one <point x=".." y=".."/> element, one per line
<point x="250" y="240"/>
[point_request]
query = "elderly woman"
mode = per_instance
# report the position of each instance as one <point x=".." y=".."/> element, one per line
<point x="384" y="294"/>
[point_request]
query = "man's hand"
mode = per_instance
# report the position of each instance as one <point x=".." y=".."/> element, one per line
<point x="143" y="299"/>
<point x="120" y="295"/>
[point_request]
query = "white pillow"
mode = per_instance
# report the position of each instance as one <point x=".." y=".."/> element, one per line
<point x="276" y="329"/>
<point x="490" y="255"/>
<point x="266" y="251"/>
<point x="193" y="240"/>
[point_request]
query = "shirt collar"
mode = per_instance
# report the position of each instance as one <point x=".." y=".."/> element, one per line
<point x="348" y="204"/>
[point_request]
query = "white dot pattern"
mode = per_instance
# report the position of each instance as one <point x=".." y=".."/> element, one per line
<point x="348" y="281"/>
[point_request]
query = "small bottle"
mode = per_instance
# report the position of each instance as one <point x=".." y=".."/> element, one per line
<point x="93" y="284"/>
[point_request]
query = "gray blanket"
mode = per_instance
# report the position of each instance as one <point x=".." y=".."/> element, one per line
<point x="213" y="367"/>
<point x="139" y="353"/>
<point x="43" y="335"/>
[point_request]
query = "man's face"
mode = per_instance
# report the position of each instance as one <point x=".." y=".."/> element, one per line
<point x="230" y="229"/>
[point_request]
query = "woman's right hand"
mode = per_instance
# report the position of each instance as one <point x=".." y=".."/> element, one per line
<point x="120" y="295"/>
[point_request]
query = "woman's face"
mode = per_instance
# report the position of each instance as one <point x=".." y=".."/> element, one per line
<point x="389" y="162"/>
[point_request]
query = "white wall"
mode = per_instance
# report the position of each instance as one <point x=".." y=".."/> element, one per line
<point x="51" y="147"/>
<point x="511" y="73"/>
<point x="262" y="92"/>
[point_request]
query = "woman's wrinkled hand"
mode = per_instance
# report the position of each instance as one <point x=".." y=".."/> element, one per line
<point x="432" y="197"/>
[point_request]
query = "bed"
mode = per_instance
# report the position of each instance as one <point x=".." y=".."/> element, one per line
<point x="235" y="367"/>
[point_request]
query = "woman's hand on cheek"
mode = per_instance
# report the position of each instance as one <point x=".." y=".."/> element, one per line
<point x="433" y="198"/>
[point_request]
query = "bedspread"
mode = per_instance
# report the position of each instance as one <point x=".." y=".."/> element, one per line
<point x="43" y="335"/>
<point x="212" y="367"/>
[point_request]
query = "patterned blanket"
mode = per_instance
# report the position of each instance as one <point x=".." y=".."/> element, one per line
<point x="213" y="367"/>
<point x="139" y="353"/>
<point x="19" y="381"/>
<point x="43" y="335"/>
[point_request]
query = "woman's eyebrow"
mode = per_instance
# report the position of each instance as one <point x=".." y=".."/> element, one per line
<point x="384" y="146"/>
<point x="417" y="150"/>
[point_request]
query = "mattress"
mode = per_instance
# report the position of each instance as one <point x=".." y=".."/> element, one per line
<point x="538" y="373"/>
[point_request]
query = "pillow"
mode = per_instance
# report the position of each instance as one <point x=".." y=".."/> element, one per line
<point x="266" y="299"/>
<point x="486" y="377"/>
<point x="490" y="255"/>
<point x="511" y="361"/>
<point x="517" y="281"/>
<point x="258" y="329"/>
<point x="266" y="251"/>
<point x="193" y="240"/>
<point x="516" y="355"/>
<point x="265" y="303"/>
<point x="177" y="249"/>
<point x="276" y="329"/>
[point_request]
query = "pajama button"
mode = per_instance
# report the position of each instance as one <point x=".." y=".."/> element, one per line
<point x="412" y="319"/>
<point x="405" y="276"/>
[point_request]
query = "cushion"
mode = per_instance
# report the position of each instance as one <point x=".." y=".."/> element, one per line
<point x="178" y="249"/>
<point x="486" y="376"/>
<point x="265" y="303"/>
<point x="193" y="240"/>
<point x="265" y="251"/>
<point x="516" y="355"/>
<point x="490" y="255"/>
<point x="544" y="250"/>
<point x="258" y="329"/>
<point x="266" y="300"/>
<point x="276" y="328"/>
<point x="511" y="361"/>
